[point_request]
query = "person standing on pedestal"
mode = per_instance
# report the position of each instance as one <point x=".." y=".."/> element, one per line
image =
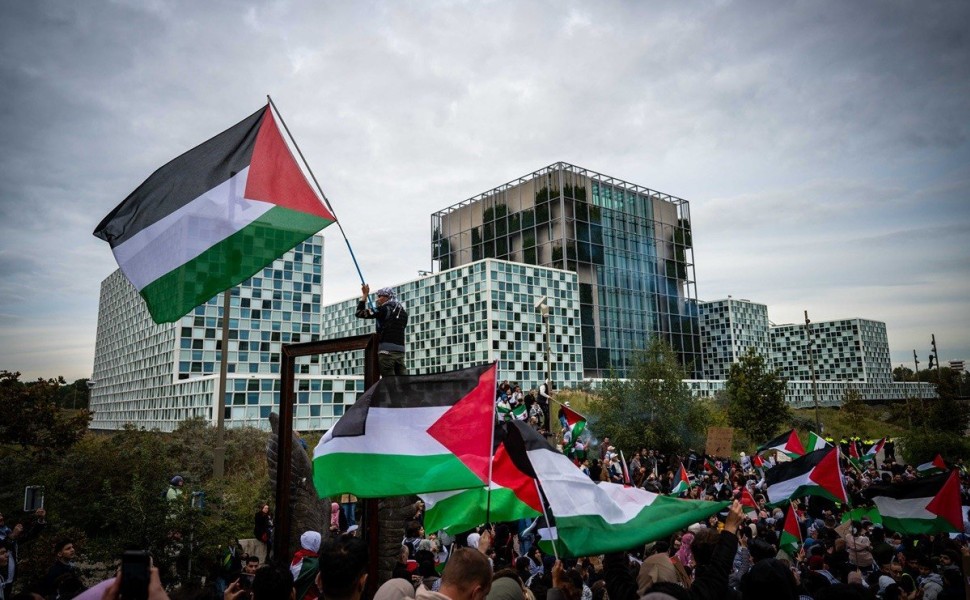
<point x="392" y="320"/>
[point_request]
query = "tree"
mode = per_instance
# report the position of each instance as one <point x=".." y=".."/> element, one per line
<point x="32" y="418"/>
<point x="902" y="373"/>
<point x="653" y="408"/>
<point x="756" y="398"/>
<point x="852" y="403"/>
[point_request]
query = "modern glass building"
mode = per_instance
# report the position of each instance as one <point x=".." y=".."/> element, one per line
<point x="155" y="376"/>
<point x="848" y="353"/>
<point x="728" y="329"/>
<point x="629" y="246"/>
<point x="481" y="312"/>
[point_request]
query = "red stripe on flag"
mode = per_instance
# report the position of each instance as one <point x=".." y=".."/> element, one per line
<point x="827" y="475"/>
<point x="275" y="177"/>
<point x="466" y="428"/>
<point x="946" y="503"/>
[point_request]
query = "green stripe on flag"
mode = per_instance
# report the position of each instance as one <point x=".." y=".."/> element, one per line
<point x="234" y="259"/>
<point x="590" y="534"/>
<point x="339" y="473"/>
<point x="471" y="508"/>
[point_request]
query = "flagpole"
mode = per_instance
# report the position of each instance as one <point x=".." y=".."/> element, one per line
<point x="545" y="515"/>
<point x="491" y="458"/>
<point x="319" y="189"/>
<point x="626" y="472"/>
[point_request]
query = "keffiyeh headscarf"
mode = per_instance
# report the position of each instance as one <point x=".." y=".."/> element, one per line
<point x="392" y="300"/>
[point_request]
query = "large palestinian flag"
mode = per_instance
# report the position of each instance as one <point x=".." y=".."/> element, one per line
<point x="213" y="217"/>
<point x="591" y="518"/>
<point x="926" y="505"/>
<point x="815" y="474"/>
<point x="512" y="495"/>
<point x="787" y="443"/>
<point x="411" y="435"/>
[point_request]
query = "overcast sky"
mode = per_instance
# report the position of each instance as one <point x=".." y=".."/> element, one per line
<point x="823" y="146"/>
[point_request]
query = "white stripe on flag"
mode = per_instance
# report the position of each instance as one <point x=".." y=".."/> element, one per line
<point x="909" y="508"/>
<point x="571" y="493"/>
<point x="783" y="490"/>
<point x="401" y="431"/>
<point x="186" y="233"/>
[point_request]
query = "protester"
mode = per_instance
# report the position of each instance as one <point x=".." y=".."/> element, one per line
<point x="391" y="320"/>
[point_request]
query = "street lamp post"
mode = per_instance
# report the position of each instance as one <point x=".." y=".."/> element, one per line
<point x="811" y="366"/>
<point x="543" y="307"/>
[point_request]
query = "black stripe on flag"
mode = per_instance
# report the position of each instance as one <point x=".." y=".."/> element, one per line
<point x="522" y="439"/>
<point x="781" y="440"/>
<point x="410" y="391"/>
<point x="784" y="471"/>
<point x="924" y="487"/>
<point x="182" y="180"/>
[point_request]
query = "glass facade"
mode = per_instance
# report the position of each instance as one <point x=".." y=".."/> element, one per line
<point x="158" y="375"/>
<point x="481" y="312"/>
<point x="630" y="248"/>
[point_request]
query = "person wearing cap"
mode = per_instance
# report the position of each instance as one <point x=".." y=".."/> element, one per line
<point x="392" y="321"/>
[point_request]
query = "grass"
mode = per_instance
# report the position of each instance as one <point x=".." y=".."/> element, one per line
<point x="870" y="424"/>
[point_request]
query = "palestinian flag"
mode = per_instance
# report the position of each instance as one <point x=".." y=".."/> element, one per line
<point x="815" y="442"/>
<point x="708" y="466"/>
<point x="934" y="467"/>
<point x="411" y="435"/>
<point x="512" y="495"/>
<point x="748" y="504"/>
<point x="575" y="422"/>
<point x="757" y="462"/>
<point x="592" y="518"/>
<point x="213" y="217"/>
<point x="787" y="443"/>
<point x="815" y="474"/>
<point x="683" y="482"/>
<point x="875" y="449"/>
<point x="926" y="505"/>
<point x="854" y="457"/>
<point x="791" y="536"/>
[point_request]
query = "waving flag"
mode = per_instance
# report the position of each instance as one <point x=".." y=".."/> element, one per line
<point x="787" y="443"/>
<point x="815" y="474"/>
<point x="934" y="467"/>
<point x="592" y="518"/>
<point x="512" y="495"/>
<point x="875" y="449"/>
<point x="213" y="217"/>
<point x="683" y="482"/>
<point x="791" y="536"/>
<point x="411" y="435"/>
<point x="816" y="442"/>
<point x="748" y="504"/>
<point x="575" y="422"/>
<point x="854" y="457"/>
<point x="926" y="505"/>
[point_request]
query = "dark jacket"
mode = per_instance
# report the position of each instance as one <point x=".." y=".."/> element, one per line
<point x="711" y="582"/>
<point x="391" y="319"/>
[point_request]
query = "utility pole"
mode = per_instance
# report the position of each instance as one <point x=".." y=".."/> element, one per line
<point x="918" y="390"/>
<point x="811" y="367"/>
